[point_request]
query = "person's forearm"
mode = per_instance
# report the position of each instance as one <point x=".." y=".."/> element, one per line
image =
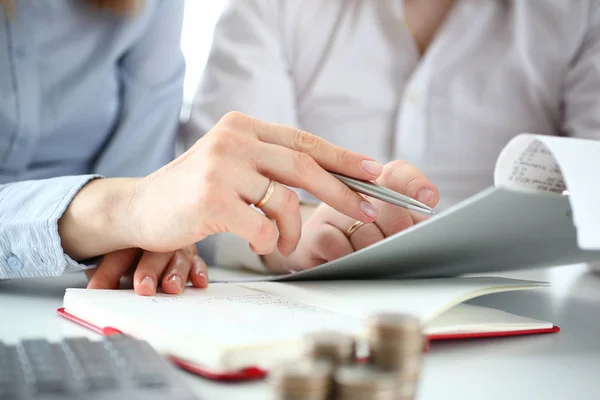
<point x="97" y="220"/>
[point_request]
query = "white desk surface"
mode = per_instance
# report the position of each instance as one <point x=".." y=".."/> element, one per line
<point x="556" y="366"/>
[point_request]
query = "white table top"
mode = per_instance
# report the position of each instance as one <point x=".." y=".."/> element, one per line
<point x="556" y="366"/>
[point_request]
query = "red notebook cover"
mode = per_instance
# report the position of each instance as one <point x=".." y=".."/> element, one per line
<point x="253" y="373"/>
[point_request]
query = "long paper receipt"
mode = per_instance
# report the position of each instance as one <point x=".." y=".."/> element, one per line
<point x="558" y="165"/>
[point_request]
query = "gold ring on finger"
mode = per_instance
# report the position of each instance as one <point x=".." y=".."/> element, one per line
<point x="355" y="226"/>
<point x="267" y="196"/>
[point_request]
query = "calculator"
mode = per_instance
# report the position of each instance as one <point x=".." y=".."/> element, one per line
<point x="116" y="367"/>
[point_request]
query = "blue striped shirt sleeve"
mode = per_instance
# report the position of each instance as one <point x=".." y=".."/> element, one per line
<point x="29" y="212"/>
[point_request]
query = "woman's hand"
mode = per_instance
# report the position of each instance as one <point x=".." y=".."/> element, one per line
<point x="230" y="168"/>
<point x="325" y="235"/>
<point x="209" y="189"/>
<point x="172" y="269"/>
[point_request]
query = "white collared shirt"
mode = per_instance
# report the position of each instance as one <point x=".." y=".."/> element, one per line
<point x="349" y="71"/>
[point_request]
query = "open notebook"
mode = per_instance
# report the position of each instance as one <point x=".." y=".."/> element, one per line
<point x="527" y="220"/>
<point x="240" y="330"/>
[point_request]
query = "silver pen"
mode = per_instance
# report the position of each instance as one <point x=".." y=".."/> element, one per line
<point x="376" y="191"/>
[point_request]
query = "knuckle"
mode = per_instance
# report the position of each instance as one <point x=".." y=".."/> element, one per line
<point x="266" y="232"/>
<point x="305" y="141"/>
<point x="401" y="175"/>
<point x="323" y="238"/>
<point x="304" y="164"/>
<point x="201" y="263"/>
<point x="369" y="237"/>
<point x="105" y="277"/>
<point x="233" y="119"/>
<point x="391" y="168"/>
<point x="191" y="249"/>
<point x="181" y="259"/>
<point x="326" y="241"/>
<point x="348" y="196"/>
<point x="224" y="142"/>
<point x="399" y="223"/>
<point x="211" y="177"/>
<point x="413" y="182"/>
<point x="291" y="202"/>
<point x="207" y="195"/>
<point x="107" y="274"/>
<point x="256" y="129"/>
<point x="345" y="156"/>
<point x="398" y="164"/>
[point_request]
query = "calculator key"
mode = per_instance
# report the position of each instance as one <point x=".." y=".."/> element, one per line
<point x="97" y="368"/>
<point x="47" y="366"/>
<point x="140" y="360"/>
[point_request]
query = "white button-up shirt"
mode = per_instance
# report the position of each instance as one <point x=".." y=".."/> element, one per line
<point x="350" y="71"/>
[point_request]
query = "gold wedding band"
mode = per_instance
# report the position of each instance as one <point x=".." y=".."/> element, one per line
<point x="353" y="228"/>
<point x="267" y="195"/>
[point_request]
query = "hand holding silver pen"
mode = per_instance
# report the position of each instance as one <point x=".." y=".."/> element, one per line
<point x="402" y="197"/>
<point x="376" y="191"/>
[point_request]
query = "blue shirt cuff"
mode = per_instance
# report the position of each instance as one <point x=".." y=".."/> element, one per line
<point x="30" y="245"/>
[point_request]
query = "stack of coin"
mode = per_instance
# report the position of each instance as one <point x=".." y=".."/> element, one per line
<point x="396" y="344"/>
<point x="335" y="347"/>
<point x="358" y="382"/>
<point x="302" y="380"/>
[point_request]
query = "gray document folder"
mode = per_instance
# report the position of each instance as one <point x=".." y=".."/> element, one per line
<point x="498" y="229"/>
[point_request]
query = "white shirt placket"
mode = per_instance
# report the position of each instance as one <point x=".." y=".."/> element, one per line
<point x="412" y="132"/>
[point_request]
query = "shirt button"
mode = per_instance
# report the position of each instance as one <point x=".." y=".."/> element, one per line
<point x="14" y="263"/>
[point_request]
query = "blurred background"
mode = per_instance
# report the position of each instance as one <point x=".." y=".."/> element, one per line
<point x="198" y="25"/>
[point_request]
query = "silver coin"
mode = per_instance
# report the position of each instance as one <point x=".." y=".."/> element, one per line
<point x="336" y="347"/>
<point x="302" y="376"/>
<point x="363" y="378"/>
<point x="394" y="326"/>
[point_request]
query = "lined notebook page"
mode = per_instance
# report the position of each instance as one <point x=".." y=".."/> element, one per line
<point x="467" y="318"/>
<point x="424" y="298"/>
<point x="236" y="325"/>
<point x="270" y="311"/>
<point x="222" y="327"/>
<point x="218" y="314"/>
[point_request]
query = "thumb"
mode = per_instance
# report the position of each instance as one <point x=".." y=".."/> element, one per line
<point x="112" y="268"/>
<point x="407" y="179"/>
